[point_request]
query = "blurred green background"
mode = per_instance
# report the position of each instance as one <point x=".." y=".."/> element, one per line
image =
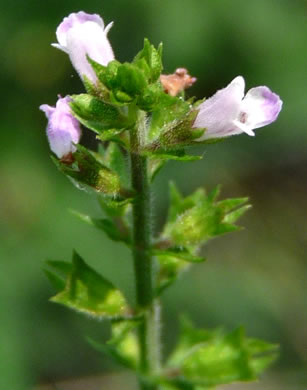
<point x="256" y="277"/>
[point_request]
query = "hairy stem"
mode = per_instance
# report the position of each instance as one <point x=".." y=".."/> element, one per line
<point x="148" y="332"/>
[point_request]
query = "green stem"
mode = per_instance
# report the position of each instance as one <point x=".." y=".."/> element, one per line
<point x="148" y="331"/>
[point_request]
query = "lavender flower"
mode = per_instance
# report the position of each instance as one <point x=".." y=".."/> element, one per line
<point x="82" y="34"/>
<point x="229" y="112"/>
<point x="63" y="129"/>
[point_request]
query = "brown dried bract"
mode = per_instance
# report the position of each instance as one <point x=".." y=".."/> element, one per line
<point x="68" y="159"/>
<point x="177" y="82"/>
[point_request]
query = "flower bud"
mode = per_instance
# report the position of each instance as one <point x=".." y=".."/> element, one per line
<point x="229" y="112"/>
<point x="81" y="34"/>
<point x="63" y="129"/>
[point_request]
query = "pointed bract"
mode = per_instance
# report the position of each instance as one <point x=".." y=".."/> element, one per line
<point x="63" y="130"/>
<point x="228" y="112"/>
<point x="81" y="34"/>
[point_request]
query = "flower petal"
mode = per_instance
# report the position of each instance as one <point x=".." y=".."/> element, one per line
<point x="72" y="20"/>
<point x="88" y="39"/>
<point x="63" y="129"/>
<point x="260" y="107"/>
<point x="81" y="34"/>
<point x="218" y="113"/>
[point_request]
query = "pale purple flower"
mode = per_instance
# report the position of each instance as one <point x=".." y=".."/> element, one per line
<point x="63" y="130"/>
<point x="229" y="112"/>
<point x="82" y="34"/>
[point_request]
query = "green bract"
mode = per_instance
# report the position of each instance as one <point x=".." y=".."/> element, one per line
<point x="84" y="290"/>
<point x="194" y="220"/>
<point x="88" y="170"/>
<point x="123" y="346"/>
<point x="213" y="357"/>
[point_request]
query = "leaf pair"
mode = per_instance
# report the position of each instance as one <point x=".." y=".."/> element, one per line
<point x="199" y="217"/>
<point x="191" y="222"/>
<point x="206" y="358"/>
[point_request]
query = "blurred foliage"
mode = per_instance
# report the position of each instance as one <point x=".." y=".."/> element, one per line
<point x="255" y="277"/>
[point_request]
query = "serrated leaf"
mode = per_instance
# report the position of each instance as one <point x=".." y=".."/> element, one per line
<point x="115" y="160"/>
<point x="179" y="133"/>
<point x="57" y="272"/>
<point x="88" y="292"/>
<point x="149" y="59"/>
<point x="123" y="346"/>
<point x="199" y="217"/>
<point x="88" y="171"/>
<point x="115" y="231"/>
<point x="209" y="358"/>
<point x="167" y="115"/>
<point x="97" y="115"/>
<point x="130" y="80"/>
<point x="105" y="74"/>
<point x="115" y="207"/>
<point x="179" y="204"/>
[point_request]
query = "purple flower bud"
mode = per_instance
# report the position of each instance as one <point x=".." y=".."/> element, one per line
<point x="229" y="112"/>
<point x="82" y="34"/>
<point x="63" y="130"/>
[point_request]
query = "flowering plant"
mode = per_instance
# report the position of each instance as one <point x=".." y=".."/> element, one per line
<point x="137" y="112"/>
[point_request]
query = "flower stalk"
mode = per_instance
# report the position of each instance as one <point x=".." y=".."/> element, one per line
<point x="148" y="332"/>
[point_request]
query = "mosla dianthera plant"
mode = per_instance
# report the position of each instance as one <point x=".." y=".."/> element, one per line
<point x="137" y="112"/>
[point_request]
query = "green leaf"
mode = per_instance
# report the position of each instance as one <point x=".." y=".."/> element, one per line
<point x="182" y="384"/>
<point x="123" y="346"/>
<point x="179" y="133"/>
<point x="87" y="171"/>
<point x="170" y="268"/>
<point x="124" y="81"/>
<point x="130" y="80"/>
<point x="197" y="218"/>
<point x="115" y="207"/>
<point x="178" y="253"/>
<point x="172" y="262"/>
<point x="149" y="59"/>
<point x="150" y="99"/>
<point x="155" y="166"/>
<point x="114" y="135"/>
<point x="115" y="160"/>
<point x="57" y="272"/>
<point x="97" y="115"/>
<point x="105" y="74"/>
<point x="115" y="229"/>
<point x="88" y="292"/>
<point x="167" y="115"/>
<point x="209" y="358"/>
<point x="177" y="155"/>
<point x="233" y="216"/>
